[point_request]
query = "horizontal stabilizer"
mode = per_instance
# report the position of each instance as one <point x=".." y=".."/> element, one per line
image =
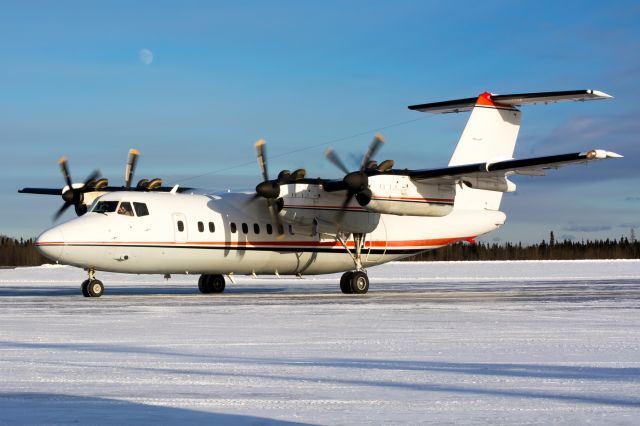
<point x="509" y="101"/>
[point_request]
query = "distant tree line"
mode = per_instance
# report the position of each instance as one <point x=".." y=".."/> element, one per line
<point x="20" y="252"/>
<point x="624" y="248"/>
<point x="14" y="252"/>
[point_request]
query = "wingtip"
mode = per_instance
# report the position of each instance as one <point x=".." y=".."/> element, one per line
<point x="134" y="151"/>
<point x="260" y="142"/>
<point x="601" y="95"/>
<point x="62" y="160"/>
<point x="601" y="154"/>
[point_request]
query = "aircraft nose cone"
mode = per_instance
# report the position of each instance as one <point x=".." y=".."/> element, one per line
<point x="51" y="244"/>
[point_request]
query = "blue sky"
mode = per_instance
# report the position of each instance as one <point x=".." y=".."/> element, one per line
<point x="304" y="74"/>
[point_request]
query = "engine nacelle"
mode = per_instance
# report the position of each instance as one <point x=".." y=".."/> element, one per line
<point x="399" y="195"/>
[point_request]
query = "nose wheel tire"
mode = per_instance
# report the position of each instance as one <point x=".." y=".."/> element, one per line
<point x="92" y="288"/>
<point x="211" y="283"/>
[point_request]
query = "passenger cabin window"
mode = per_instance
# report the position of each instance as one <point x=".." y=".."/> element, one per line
<point x="256" y="228"/>
<point x="125" y="209"/>
<point x="105" y="207"/>
<point x="200" y="226"/>
<point x="233" y="228"/>
<point x="280" y="229"/>
<point x="269" y="229"/>
<point x="180" y="226"/>
<point x="245" y="228"/>
<point x="291" y="229"/>
<point x="141" y="209"/>
<point x="212" y="227"/>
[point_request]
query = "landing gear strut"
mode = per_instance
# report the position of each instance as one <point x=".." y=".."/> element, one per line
<point x="211" y="283"/>
<point x="92" y="287"/>
<point x="354" y="282"/>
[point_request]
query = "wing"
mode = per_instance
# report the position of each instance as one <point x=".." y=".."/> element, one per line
<point x="42" y="191"/>
<point x="529" y="166"/>
<point x="54" y="191"/>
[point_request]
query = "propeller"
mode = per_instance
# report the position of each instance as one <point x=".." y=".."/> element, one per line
<point x="129" y="171"/>
<point x="270" y="189"/>
<point x="357" y="183"/>
<point x="75" y="196"/>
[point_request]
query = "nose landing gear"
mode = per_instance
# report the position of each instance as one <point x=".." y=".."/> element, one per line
<point x="92" y="287"/>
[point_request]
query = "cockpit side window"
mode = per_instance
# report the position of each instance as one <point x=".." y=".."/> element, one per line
<point x="105" y="207"/>
<point x="141" y="209"/>
<point x="125" y="209"/>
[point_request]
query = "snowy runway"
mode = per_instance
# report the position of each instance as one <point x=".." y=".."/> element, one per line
<point x="503" y="342"/>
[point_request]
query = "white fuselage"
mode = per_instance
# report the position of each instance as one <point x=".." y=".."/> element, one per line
<point x="227" y="234"/>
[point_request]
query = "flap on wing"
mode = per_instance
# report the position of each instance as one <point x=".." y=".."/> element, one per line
<point x="528" y="166"/>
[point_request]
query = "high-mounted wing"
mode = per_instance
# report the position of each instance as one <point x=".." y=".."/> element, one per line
<point x="535" y="166"/>
<point x="41" y="191"/>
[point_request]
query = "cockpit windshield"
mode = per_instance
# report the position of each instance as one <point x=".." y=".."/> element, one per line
<point x="124" y="208"/>
<point x="105" y="207"/>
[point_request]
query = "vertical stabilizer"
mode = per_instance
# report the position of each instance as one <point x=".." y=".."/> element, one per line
<point x="490" y="135"/>
<point x="491" y="132"/>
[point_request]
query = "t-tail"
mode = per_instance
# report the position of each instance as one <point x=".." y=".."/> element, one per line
<point x="490" y="135"/>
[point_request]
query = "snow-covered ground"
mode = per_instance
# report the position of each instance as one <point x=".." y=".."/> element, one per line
<point x="494" y="342"/>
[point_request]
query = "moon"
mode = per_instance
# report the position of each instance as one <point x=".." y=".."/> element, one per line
<point x="146" y="56"/>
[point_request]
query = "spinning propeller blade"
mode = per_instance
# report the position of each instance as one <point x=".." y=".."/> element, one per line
<point x="331" y="155"/>
<point x="267" y="189"/>
<point x="262" y="158"/>
<point x="357" y="183"/>
<point x="132" y="159"/>
<point x="375" y="145"/>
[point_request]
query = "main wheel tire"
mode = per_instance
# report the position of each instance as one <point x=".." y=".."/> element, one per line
<point x="359" y="282"/>
<point x="95" y="288"/>
<point x="202" y="286"/>
<point x="215" y="283"/>
<point x="84" y="287"/>
<point x="345" y="282"/>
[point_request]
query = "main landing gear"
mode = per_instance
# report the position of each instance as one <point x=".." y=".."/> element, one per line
<point x="354" y="282"/>
<point x="211" y="283"/>
<point x="92" y="287"/>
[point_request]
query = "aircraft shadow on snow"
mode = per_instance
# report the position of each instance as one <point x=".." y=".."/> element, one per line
<point x="511" y="370"/>
<point x="47" y="408"/>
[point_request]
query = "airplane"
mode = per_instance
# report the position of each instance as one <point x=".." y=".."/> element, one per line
<point x="294" y="225"/>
